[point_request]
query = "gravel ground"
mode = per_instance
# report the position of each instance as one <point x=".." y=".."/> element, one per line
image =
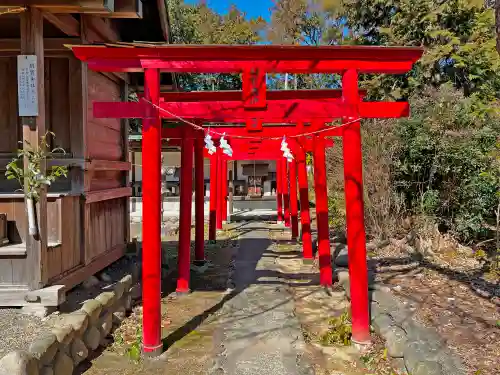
<point x="18" y="330"/>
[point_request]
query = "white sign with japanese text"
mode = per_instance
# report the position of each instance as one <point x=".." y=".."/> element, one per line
<point x="27" y="90"/>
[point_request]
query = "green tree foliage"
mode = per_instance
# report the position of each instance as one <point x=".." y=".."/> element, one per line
<point x="458" y="37"/>
<point x="441" y="161"/>
<point x="444" y="164"/>
<point x="198" y="24"/>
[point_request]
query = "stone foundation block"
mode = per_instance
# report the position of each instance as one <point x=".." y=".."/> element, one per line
<point x="395" y="341"/>
<point x="44" y="348"/>
<point x="127" y="301"/>
<point x="127" y="282"/>
<point x="382" y="323"/>
<point x="64" y="334"/>
<point x="91" y="338"/>
<point x="119" y="315"/>
<point x="78" y="320"/>
<point x="63" y="365"/>
<point x="93" y="309"/>
<point x="107" y="299"/>
<point x="79" y="351"/>
<point x="119" y="289"/>
<point x="18" y="362"/>
<point x="105" y="324"/>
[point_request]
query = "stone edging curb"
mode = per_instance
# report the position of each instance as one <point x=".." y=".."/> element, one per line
<point x="75" y="335"/>
<point x="420" y="349"/>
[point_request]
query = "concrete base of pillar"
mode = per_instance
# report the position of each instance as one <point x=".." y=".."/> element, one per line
<point x="308" y="261"/>
<point x="181" y="293"/>
<point x="153" y="353"/>
<point x="200" y="263"/>
<point x="362" y="347"/>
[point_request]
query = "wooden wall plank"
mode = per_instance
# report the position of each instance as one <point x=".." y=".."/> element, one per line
<point x="9" y="126"/>
<point x="59" y="97"/>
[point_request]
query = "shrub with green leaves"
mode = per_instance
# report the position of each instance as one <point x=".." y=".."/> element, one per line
<point x="444" y="165"/>
<point x="32" y="175"/>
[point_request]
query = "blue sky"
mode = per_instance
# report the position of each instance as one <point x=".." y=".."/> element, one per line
<point x="253" y="8"/>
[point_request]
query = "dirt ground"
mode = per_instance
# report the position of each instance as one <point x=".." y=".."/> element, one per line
<point x="449" y="299"/>
<point x="187" y="322"/>
<point x="315" y="306"/>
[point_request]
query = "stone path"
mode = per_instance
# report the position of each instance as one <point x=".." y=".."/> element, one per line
<point x="258" y="332"/>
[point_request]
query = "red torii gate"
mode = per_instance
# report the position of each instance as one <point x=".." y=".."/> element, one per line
<point x="253" y="62"/>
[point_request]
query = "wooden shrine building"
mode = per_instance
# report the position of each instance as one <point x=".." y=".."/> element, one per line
<point x="83" y="219"/>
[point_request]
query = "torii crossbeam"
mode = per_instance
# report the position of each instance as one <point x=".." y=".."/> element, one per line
<point x="255" y="107"/>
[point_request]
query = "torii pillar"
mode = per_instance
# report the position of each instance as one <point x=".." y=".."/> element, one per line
<point x="305" y="217"/>
<point x="214" y="167"/>
<point x="325" y="259"/>
<point x="356" y="237"/>
<point x="151" y="224"/>
<point x="286" y="195"/>
<point x="220" y="198"/>
<point x="186" y="201"/>
<point x="279" y="190"/>
<point x="199" y="245"/>
<point x="224" y="191"/>
<point x="293" y="200"/>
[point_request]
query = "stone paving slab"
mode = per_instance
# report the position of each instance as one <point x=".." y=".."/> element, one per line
<point x="258" y="332"/>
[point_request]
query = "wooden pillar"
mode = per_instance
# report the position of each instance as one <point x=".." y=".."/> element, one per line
<point x="186" y="201"/>
<point x="286" y="194"/>
<point x="356" y="237"/>
<point x="151" y="253"/>
<point x="125" y="123"/>
<point x="224" y="191"/>
<point x="33" y="129"/>
<point x="293" y="200"/>
<point x="279" y="191"/>
<point x="325" y="261"/>
<point x="214" y="166"/>
<point x="305" y="217"/>
<point x="199" y="245"/>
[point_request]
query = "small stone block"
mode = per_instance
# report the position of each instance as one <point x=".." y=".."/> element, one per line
<point x="44" y="348"/>
<point x="382" y="323"/>
<point x="105" y="324"/>
<point x="119" y="315"/>
<point x="79" y="351"/>
<point x="79" y="320"/>
<point x="127" y="282"/>
<point x="343" y="276"/>
<point x="107" y="299"/>
<point x="63" y="365"/>
<point x="395" y="341"/>
<point x="91" y="338"/>
<point x="127" y="301"/>
<point x="427" y="368"/>
<point x="135" y="292"/>
<point x="18" y="362"/>
<point x="93" y="309"/>
<point x="64" y="334"/>
<point x="119" y="289"/>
